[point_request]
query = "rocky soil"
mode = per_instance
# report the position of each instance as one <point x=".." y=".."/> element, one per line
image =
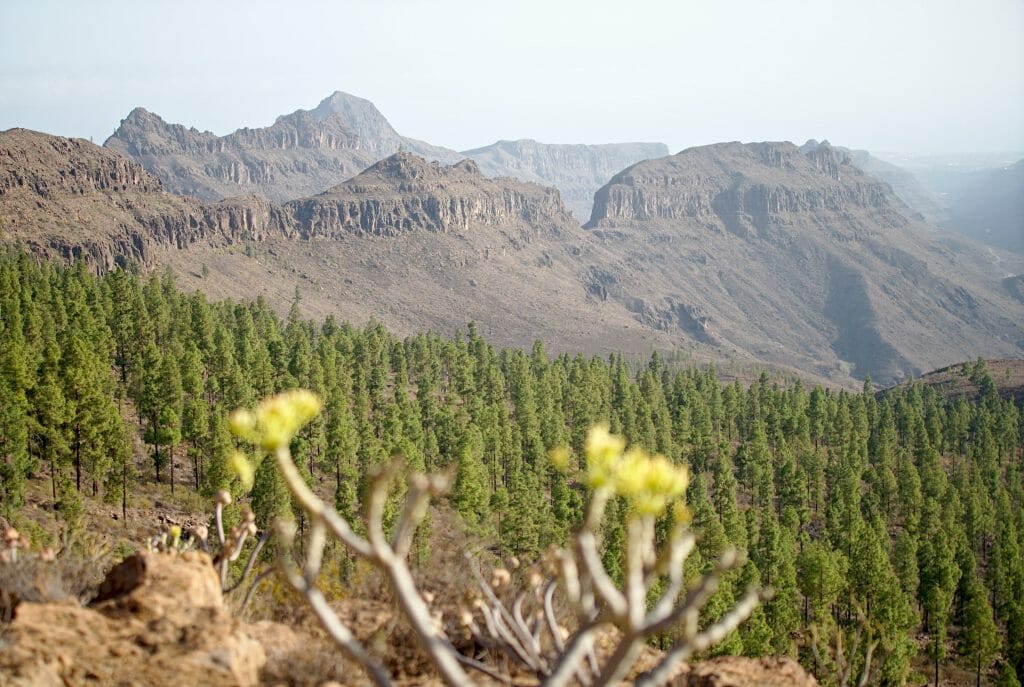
<point x="160" y="619"/>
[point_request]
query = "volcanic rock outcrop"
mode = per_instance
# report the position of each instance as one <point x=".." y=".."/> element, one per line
<point x="800" y="258"/>
<point x="300" y="154"/>
<point x="577" y="171"/>
<point x="413" y="244"/>
<point x="903" y="183"/>
<point x="67" y="198"/>
<point x="407" y="193"/>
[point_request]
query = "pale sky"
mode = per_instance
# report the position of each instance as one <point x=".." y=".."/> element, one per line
<point x="913" y="76"/>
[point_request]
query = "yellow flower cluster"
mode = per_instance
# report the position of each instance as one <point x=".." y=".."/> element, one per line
<point x="277" y="419"/>
<point x="651" y="483"/>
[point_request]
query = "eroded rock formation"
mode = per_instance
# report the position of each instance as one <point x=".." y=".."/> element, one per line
<point x="300" y="154"/>
<point x="406" y="193"/>
<point x="799" y="257"/>
<point x="67" y="198"/>
<point x="577" y="171"/>
<point x="159" y="620"/>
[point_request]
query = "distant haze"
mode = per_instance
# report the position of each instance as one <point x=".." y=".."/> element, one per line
<point x="910" y="76"/>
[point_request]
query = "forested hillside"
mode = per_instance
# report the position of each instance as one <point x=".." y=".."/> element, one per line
<point x="894" y="522"/>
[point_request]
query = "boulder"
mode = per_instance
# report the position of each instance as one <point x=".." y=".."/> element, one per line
<point x="159" y="620"/>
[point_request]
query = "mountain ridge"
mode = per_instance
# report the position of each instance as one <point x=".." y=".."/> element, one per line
<point x="308" y="151"/>
<point x="733" y="252"/>
<point x="799" y="257"/>
<point x="300" y="154"/>
<point x="577" y="170"/>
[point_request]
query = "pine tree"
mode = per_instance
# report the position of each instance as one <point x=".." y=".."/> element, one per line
<point x="980" y="640"/>
<point x="14" y="410"/>
<point x="469" y="494"/>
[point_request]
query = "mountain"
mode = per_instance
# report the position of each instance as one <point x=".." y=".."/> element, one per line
<point x="413" y="244"/>
<point x="904" y="184"/>
<point x="991" y="208"/>
<point x="418" y="245"/>
<point x="406" y="193"/>
<point x="800" y="258"/>
<point x="300" y="154"/>
<point x="308" y="151"/>
<point x="738" y="254"/>
<point x="67" y="198"/>
<point x="575" y="170"/>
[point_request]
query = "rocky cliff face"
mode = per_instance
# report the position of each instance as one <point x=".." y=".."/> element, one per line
<point x="747" y="252"/>
<point x="300" y="154"/>
<point x="407" y="193"/>
<point x="67" y="198"/>
<point x="577" y="171"/>
<point x="799" y="257"/>
<point x="919" y="200"/>
<point x="742" y="188"/>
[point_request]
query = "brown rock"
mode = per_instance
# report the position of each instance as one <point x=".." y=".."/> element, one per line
<point x="152" y="585"/>
<point x="404" y="193"/>
<point x="161" y="621"/>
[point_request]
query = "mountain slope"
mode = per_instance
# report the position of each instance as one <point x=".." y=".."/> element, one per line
<point x="418" y="245"/>
<point x="799" y="259"/>
<point x="733" y="253"/>
<point x="405" y="192"/>
<point x="904" y="184"/>
<point x="67" y="198"/>
<point x="413" y="244"/>
<point x="300" y="154"/>
<point x="991" y="209"/>
<point x="575" y="170"/>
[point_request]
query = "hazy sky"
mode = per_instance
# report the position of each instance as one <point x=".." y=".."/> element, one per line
<point x="924" y="76"/>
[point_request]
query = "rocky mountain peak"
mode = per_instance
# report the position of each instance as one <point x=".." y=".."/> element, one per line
<point x="300" y="154"/>
<point x="362" y="117"/>
<point x="406" y="166"/>
<point x="143" y="118"/>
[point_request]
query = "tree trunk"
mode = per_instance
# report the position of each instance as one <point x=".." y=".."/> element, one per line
<point x="195" y="467"/>
<point x="170" y="453"/>
<point x="124" y="494"/>
<point x="78" y="457"/>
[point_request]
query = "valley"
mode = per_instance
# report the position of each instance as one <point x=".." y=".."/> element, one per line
<point x="741" y="254"/>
